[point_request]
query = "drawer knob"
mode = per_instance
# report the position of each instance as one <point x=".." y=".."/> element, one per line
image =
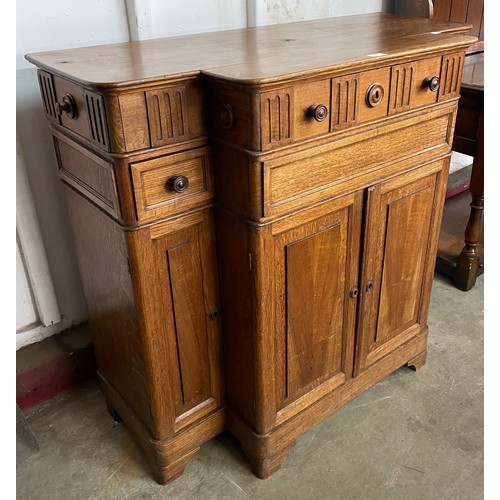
<point x="226" y="116"/>
<point x="318" y="111"/>
<point x="67" y="106"/>
<point x="374" y="95"/>
<point x="178" y="183"/>
<point x="432" y="83"/>
<point x="369" y="286"/>
<point x="214" y="314"/>
<point x="354" y="292"/>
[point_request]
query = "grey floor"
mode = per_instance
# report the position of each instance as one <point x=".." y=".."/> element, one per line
<point x="412" y="436"/>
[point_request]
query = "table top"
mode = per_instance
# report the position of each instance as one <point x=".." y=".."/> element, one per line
<point x="256" y="55"/>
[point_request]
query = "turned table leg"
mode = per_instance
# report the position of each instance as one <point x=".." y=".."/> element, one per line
<point x="469" y="259"/>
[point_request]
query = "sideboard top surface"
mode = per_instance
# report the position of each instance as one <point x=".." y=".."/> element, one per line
<point x="255" y="55"/>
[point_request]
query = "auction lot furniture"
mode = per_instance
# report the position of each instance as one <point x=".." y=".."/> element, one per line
<point x="256" y="216"/>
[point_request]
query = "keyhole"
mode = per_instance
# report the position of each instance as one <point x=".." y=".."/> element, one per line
<point x="374" y="94"/>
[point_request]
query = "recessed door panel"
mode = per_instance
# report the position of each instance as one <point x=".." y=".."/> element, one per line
<point x="316" y="267"/>
<point x="400" y="217"/>
<point x="315" y="276"/>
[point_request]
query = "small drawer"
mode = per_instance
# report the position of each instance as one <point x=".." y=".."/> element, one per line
<point x="171" y="184"/>
<point x="311" y="109"/>
<point x="294" y="113"/>
<point x="373" y="98"/>
<point x="414" y="84"/>
<point x="75" y="108"/>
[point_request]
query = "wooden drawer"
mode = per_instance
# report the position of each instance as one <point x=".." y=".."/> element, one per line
<point x="309" y="176"/>
<point x="289" y="114"/>
<point x="171" y="184"/>
<point x="317" y="108"/>
<point x="75" y="108"/>
<point x="160" y="116"/>
<point x="414" y="84"/>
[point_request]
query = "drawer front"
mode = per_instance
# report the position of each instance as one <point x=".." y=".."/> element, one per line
<point x="310" y="100"/>
<point x="171" y="184"/>
<point x="348" y="100"/>
<point x="414" y="84"/>
<point x="373" y="98"/>
<point x="160" y="116"/>
<point x="317" y="108"/>
<point x="89" y="174"/>
<point x="75" y="108"/>
<point x="312" y="175"/>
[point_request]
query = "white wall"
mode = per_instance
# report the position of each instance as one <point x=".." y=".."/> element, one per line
<point x="47" y="25"/>
<point x="262" y="12"/>
<point x="55" y="24"/>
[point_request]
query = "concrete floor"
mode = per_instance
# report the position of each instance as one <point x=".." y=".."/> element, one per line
<point x="414" y="435"/>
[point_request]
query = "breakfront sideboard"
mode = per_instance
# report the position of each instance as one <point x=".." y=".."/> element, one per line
<point x="255" y="216"/>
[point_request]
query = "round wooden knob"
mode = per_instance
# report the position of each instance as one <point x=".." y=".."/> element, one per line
<point x="67" y="106"/>
<point x="226" y="116"/>
<point x="374" y="95"/>
<point x="178" y="183"/>
<point x="318" y="111"/>
<point x="432" y="83"/>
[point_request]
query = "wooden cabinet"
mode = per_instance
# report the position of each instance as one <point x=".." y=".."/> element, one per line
<point x="256" y="227"/>
<point x="153" y="304"/>
<point x="336" y="291"/>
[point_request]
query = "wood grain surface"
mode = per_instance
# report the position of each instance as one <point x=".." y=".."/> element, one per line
<point x="254" y="55"/>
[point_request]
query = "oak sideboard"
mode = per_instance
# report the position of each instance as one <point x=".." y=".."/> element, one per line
<point x="255" y="215"/>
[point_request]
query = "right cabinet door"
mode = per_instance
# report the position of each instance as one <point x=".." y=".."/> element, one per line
<point x="402" y="219"/>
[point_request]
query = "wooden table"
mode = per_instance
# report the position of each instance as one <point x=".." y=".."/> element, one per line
<point x="460" y="251"/>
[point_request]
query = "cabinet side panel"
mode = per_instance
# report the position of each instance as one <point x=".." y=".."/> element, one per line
<point x="102" y="257"/>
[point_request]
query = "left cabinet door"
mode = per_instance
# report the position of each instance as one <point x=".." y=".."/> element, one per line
<point x="316" y="257"/>
<point x="174" y="266"/>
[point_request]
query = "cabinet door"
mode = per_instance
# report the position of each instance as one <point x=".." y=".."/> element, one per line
<point x="402" y="219"/>
<point x="316" y="266"/>
<point x="177" y="269"/>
